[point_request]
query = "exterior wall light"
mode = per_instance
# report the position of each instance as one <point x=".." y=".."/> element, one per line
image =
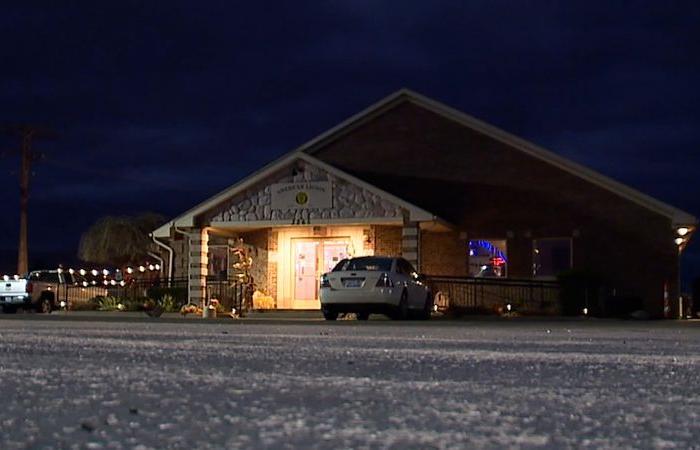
<point x="682" y="231"/>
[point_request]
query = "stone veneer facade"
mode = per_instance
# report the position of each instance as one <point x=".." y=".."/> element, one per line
<point x="349" y="201"/>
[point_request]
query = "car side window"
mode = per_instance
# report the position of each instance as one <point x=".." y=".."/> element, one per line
<point x="403" y="267"/>
<point x="44" y="277"/>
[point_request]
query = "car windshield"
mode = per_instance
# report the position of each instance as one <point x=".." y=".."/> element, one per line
<point x="369" y="264"/>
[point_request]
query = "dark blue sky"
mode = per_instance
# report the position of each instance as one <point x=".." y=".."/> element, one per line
<point x="136" y="88"/>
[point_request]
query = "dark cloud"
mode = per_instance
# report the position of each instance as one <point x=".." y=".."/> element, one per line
<point x="136" y="88"/>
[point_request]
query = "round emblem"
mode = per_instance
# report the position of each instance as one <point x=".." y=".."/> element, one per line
<point x="302" y="198"/>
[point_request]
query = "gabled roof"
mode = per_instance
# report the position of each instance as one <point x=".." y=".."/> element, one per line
<point x="187" y="219"/>
<point x="308" y="149"/>
<point x="677" y="216"/>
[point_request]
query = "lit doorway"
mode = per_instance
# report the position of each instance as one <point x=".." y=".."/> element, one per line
<point x="312" y="257"/>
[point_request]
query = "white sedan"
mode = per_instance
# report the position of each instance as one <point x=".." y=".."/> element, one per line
<point x="375" y="284"/>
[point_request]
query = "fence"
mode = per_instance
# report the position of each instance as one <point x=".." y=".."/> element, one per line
<point x="468" y="294"/>
<point x="230" y="293"/>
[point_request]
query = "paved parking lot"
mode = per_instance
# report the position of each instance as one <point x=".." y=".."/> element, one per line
<point x="310" y="384"/>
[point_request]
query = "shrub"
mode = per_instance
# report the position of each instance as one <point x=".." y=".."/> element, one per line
<point x="169" y="304"/>
<point x="110" y="304"/>
<point x="622" y="305"/>
<point x="580" y="289"/>
<point x="178" y="294"/>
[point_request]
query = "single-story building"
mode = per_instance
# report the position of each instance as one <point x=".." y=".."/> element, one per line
<point x="455" y="196"/>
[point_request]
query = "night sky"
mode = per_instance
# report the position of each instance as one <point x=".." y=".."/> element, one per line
<point x="134" y="89"/>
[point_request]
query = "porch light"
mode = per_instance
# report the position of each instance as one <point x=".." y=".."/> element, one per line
<point x="679" y="240"/>
<point x="682" y="231"/>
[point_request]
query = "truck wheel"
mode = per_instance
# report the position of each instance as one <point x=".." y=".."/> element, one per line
<point x="45" y="305"/>
<point x="8" y="309"/>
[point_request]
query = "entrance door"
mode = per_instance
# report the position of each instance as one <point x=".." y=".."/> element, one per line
<point x="306" y="270"/>
<point x="333" y="252"/>
<point x="312" y="258"/>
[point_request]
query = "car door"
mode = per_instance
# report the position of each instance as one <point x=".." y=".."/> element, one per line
<point x="416" y="292"/>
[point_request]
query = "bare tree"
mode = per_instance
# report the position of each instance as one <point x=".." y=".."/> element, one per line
<point x="119" y="240"/>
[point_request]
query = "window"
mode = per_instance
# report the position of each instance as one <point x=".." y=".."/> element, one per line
<point x="44" y="277"/>
<point x="368" y="263"/>
<point x="551" y="256"/>
<point x="488" y="258"/>
<point x="404" y="267"/>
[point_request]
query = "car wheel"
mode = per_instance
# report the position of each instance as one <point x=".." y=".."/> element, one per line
<point x="362" y="315"/>
<point x="427" y="308"/>
<point x="330" y="315"/>
<point x="402" y="309"/>
<point x="9" y="309"/>
<point x="45" y="306"/>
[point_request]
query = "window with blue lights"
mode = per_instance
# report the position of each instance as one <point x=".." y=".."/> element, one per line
<point x="488" y="258"/>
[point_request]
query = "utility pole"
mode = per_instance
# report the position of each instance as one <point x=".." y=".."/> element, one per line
<point x="27" y="133"/>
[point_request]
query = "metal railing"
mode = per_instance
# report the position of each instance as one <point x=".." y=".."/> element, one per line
<point x="488" y="295"/>
<point x="229" y="293"/>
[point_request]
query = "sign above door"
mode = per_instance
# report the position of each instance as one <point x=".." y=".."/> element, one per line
<point x="302" y="195"/>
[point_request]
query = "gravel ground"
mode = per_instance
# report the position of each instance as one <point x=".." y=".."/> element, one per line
<point x="378" y="384"/>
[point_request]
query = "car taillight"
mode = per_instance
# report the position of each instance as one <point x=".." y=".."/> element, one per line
<point x="30" y="287"/>
<point x="385" y="281"/>
<point x="325" y="282"/>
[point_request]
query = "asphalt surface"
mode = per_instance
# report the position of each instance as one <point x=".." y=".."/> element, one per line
<point x="310" y="384"/>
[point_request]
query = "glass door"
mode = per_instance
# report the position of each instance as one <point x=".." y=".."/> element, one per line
<point x="313" y="257"/>
<point x="333" y="252"/>
<point x="306" y="270"/>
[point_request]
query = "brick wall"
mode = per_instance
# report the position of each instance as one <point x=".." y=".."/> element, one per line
<point x="387" y="240"/>
<point x="491" y="190"/>
<point x="443" y="254"/>
<point x="257" y="245"/>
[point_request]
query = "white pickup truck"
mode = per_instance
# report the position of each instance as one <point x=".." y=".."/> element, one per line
<point x="44" y="291"/>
